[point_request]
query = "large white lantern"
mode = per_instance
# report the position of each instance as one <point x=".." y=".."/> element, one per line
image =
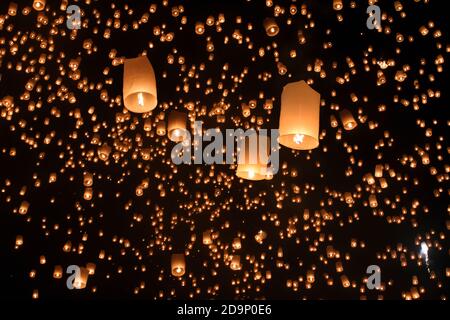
<point x="299" y="116"/>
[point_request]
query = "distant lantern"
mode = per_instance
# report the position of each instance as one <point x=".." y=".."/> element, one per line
<point x="38" y="5"/>
<point x="347" y="119"/>
<point x="310" y="278"/>
<point x="235" y="262"/>
<point x="337" y="5"/>
<point x="345" y="282"/>
<point x="57" y="272"/>
<point x="236" y="243"/>
<point x="139" y="85"/>
<point x="271" y="27"/>
<point x="81" y="279"/>
<point x="104" y="151"/>
<point x="88" y="179"/>
<point x="199" y="28"/>
<point x="24" y="207"/>
<point x="207" y="237"/>
<point x="178" y="264"/>
<point x="299" y="116"/>
<point x="12" y="9"/>
<point x="19" y="240"/>
<point x="161" y="128"/>
<point x="90" y="266"/>
<point x="177" y="126"/>
<point x="253" y="157"/>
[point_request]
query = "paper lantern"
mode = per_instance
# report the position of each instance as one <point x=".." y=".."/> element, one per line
<point x="207" y="237"/>
<point x="81" y="278"/>
<point x="347" y="119"/>
<point x="271" y="27"/>
<point x="345" y="281"/>
<point x="12" y="9"/>
<point x="104" y="151"/>
<point x="252" y="164"/>
<point x="88" y="179"/>
<point x="19" y="240"/>
<point x="57" y="272"/>
<point x="310" y="278"/>
<point x="87" y="194"/>
<point x="38" y="5"/>
<point x="139" y="85"/>
<point x="235" y="262"/>
<point x="177" y="126"/>
<point x="161" y="128"/>
<point x="23" y="209"/>
<point x="178" y="264"/>
<point x="90" y="266"/>
<point x="299" y="116"/>
<point x="337" y="5"/>
<point x="236" y="243"/>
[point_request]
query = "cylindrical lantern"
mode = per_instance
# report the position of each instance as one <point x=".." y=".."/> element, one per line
<point x="161" y="128"/>
<point x="38" y="5"/>
<point x="104" y="151"/>
<point x="23" y="209"/>
<point x="207" y="237"/>
<point x="253" y="159"/>
<point x="310" y="278"/>
<point x="347" y="119"/>
<point x="88" y="179"/>
<point x="299" y="117"/>
<point x="235" y="262"/>
<point x="90" y="266"/>
<point x="236" y="243"/>
<point x="81" y="279"/>
<point x="178" y="264"/>
<point x="373" y="203"/>
<point x="177" y="126"/>
<point x="345" y="281"/>
<point x="271" y="27"/>
<point x="337" y="5"/>
<point x="57" y="272"/>
<point x="139" y="85"/>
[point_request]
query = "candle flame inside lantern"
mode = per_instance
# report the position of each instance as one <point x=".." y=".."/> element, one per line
<point x="140" y="99"/>
<point x="298" y="138"/>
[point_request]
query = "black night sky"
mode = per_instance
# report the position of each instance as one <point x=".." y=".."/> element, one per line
<point x="402" y="124"/>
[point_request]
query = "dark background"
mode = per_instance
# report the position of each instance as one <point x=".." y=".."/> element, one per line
<point x="350" y="39"/>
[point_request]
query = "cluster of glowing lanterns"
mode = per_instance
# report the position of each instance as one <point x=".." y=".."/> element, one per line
<point x="299" y="117"/>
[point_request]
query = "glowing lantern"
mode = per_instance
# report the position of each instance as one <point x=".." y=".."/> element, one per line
<point x="81" y="279"/>
<point x="19" y="240"/>
<point x="90" y="266"/>
<point x="57" y="272"/>
<point x="139" y="85"/>
<point x="88" y="179"/>
<point x="347" y="119"/>
<point x="161" y="128"/>
<point x="373" y="201"/>
<point x="299" y="117"/>
<point x="236" y="243"/>
<point x="23" y="209"/>
<point x="38" y="5"/>
<point x="250" y="165"/>
<point x="207" y="237"/>
<point x="87" y="194"/>
<point x="345" y="281"/>
<point x="103" y="152"/>
<point x="235" y="263"/>
<point x="310" y="278"/>
<point x="271" y="27"/>
<point x="337" y="5"/>
<point x="178" y="264"/>
<point x="12" y="9"/>
<point x="177" y="126"/>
